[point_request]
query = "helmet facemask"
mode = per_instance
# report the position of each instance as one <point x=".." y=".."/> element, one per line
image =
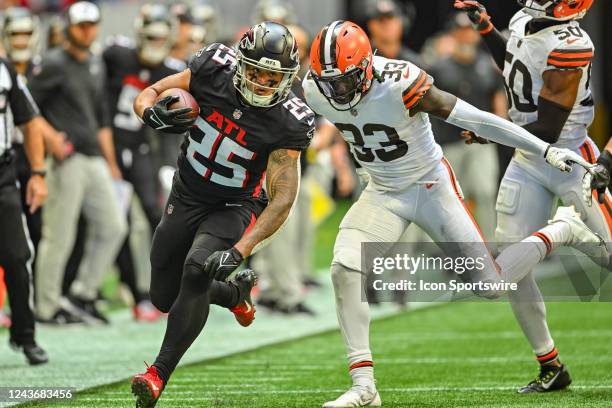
<point x="156" y="33"/>
<point x="247" y="87"/>
<point x="343" y="91"/>
<point x="155" y="42"/>
<point x="20" y="37"/>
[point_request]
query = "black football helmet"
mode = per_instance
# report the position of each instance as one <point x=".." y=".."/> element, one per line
<point x="271" y="47"/>
<point x="155" y="29"/>
<point x="20" y="34"/>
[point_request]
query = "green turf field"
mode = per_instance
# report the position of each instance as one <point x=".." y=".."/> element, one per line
<point x="458" y="355"/>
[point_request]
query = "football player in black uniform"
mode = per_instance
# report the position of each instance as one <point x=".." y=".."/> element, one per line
<point x="130" y="69"/>
<point x="250" y="126"/>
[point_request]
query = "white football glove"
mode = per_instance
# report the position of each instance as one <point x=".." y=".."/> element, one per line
<point x="563" y="159"/>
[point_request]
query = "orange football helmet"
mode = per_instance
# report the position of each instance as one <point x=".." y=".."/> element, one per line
<point x="559" y="10"/>
<point x="341" y="61"/>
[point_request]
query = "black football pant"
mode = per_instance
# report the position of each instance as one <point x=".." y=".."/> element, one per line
<point x="187" y="235"/>
<point x="137" y="167"/>
<point x="16" y="257"/>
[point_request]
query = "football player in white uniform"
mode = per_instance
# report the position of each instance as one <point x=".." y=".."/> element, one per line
<point x="546" y="63"/>
<point x="381" y="106"/>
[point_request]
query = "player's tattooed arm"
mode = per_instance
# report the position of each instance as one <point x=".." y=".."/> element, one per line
<point x="282" y="182"/>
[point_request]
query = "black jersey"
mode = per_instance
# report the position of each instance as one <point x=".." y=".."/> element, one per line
<point x="16" y="104"/>
<point x="224" y="156"/>
<point x="126" y="78"/>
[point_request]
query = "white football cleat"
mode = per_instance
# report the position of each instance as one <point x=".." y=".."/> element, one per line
<point x="583" y="239"/>
<point x="357" y="396"/>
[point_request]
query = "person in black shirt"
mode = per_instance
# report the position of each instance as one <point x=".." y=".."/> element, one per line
<point x="16" y="251"/>
<point x="130" y="68"/>
<point x="20" y="35"/>
<point x="385" y="22"/>
<point x="69" y="87"/>
<point x="250" y="125"/>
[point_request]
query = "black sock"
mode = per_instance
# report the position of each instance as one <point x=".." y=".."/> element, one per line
<point x="224" y="294"/>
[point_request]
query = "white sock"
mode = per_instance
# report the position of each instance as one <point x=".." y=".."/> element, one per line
<point x="530" y="312"/>
<point x="363" y="375"/>
<point x="354" y="319"/>
<point x="518" y="259"/>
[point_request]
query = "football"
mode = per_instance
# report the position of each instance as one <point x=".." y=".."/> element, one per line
<point x="185" y="101"/>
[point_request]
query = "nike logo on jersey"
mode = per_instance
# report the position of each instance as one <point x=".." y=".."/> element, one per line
<point x="407" y="73"/>
<point x="569" y="42"/>
<point x="311" y="122"/>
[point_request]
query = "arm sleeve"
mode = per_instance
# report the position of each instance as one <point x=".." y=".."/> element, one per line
<point x="22" y="104"/>
<point x="494" y="128"/>
<point x="418" y="84"/>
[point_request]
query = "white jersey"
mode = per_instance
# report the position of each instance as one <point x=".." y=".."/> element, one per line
<point x="395" y="149"/>
<point x="563" y="46"/>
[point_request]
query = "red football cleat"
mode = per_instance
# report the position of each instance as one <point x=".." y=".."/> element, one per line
<point x="147" y="387"/>
<point x="244" y="312"/>
<point x="146" y="312"/>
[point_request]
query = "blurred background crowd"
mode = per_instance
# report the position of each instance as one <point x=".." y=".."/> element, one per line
<point x="83" y="240"/>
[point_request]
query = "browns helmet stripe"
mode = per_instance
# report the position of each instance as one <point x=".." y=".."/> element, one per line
<point x="328" y="44"/>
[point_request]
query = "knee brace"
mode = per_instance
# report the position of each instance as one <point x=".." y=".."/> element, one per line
<point x="193" y="272"/>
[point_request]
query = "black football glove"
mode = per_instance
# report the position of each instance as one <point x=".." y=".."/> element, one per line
<point x="598" y="178"/>
<point x="477" y="13"/>
<point x="159" y="117"/>
<point x="221" y="264"/>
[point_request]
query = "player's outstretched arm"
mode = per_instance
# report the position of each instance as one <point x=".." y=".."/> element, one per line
<point x="282" y="181"/>
<point x="461" y="114"/>
<point x="158" y="115"/>
<point x="481" y="21"/>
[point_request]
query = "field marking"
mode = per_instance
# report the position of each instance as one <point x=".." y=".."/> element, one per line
<point x="407" y="336"/>
<point x="169" y="395"/>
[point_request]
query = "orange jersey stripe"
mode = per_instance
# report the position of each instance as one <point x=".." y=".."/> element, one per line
<point x="572" y="55"/>
<point x="417" y="97"/>
<point x="558" y="63"/>
<point x="420" y="80"/>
